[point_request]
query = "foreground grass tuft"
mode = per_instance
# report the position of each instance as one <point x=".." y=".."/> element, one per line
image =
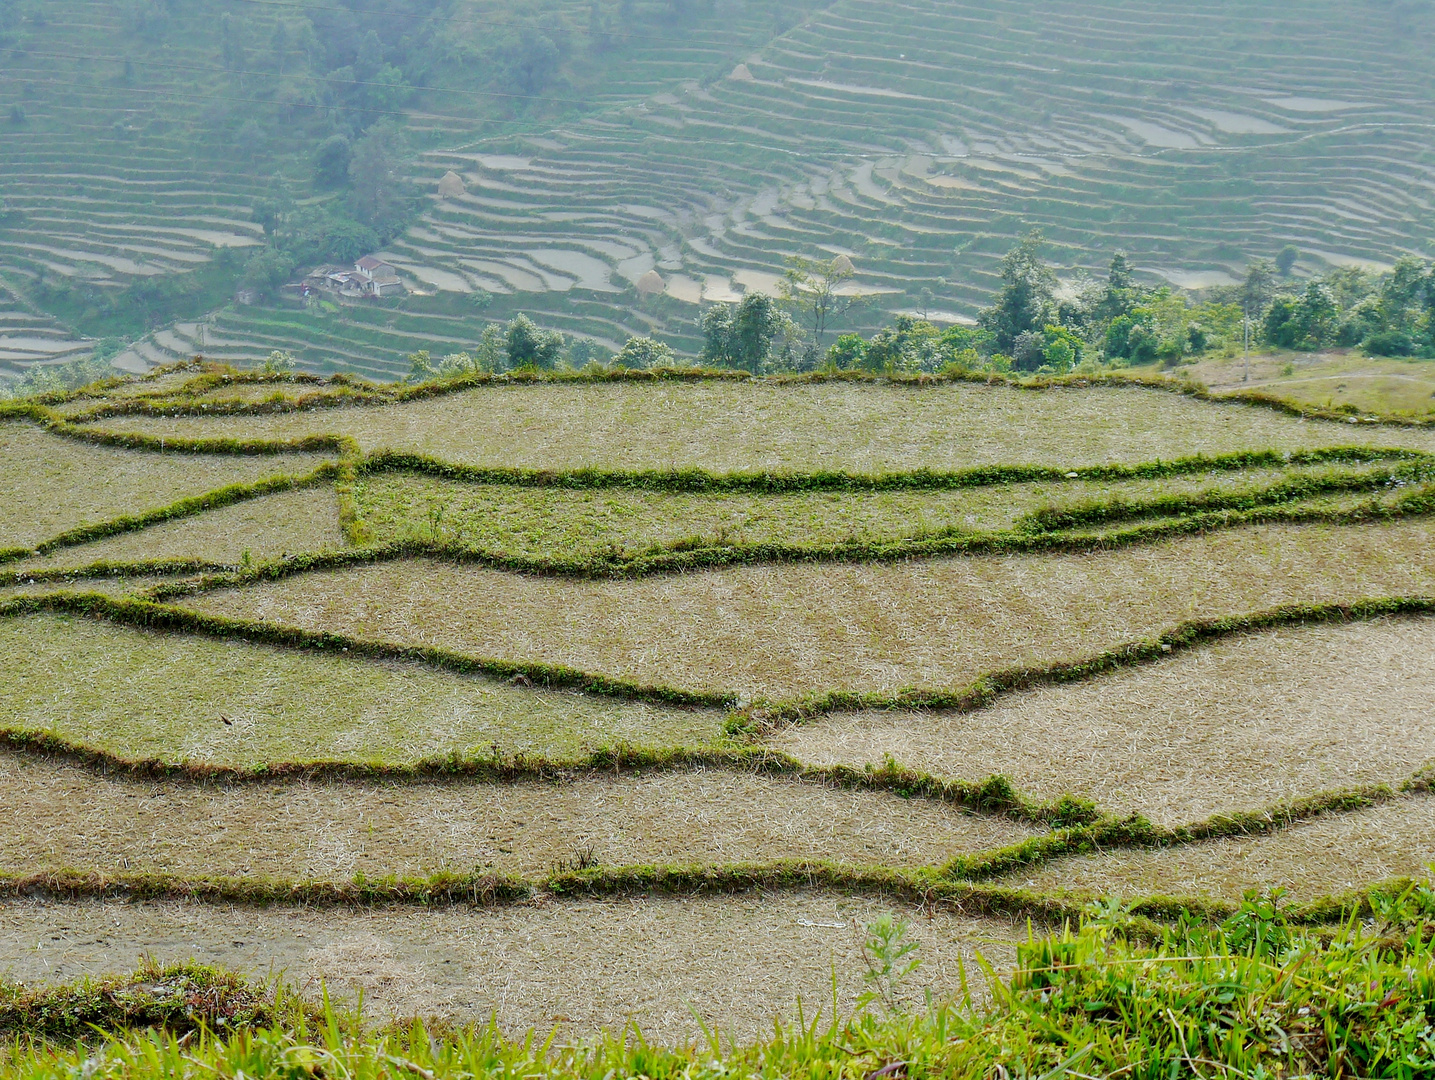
<point x="1251" y="997"/>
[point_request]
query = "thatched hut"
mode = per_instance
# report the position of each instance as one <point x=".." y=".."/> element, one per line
<point x="451" y="186"/>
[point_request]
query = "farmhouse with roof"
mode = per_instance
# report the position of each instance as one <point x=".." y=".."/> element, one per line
<point x="378" y="277"/>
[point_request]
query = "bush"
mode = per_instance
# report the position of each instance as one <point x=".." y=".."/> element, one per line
<point x="643" y="353"/>
<point x="847" y="353"/>
<point x="530" y="347"/>
<point x="1390" y="343"/>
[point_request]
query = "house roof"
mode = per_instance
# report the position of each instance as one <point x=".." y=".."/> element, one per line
<point x="371" y="262"/>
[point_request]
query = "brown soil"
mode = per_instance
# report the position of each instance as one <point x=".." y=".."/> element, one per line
<point x="786" y="630"/>
<point x="737" y="961"/>
<point x="1319" y="858"/>
<point x="53" y="484"/>
<point x="1237" y="725"/>
<point x="268" y="528"/>
<point x="66" y="816"/>
<point x="731" y="426"/>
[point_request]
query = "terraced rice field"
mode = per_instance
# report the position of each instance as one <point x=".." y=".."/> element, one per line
<point x="523" y="714"/>
<point x="922" y="138"/>
<point x="811" y="427"/>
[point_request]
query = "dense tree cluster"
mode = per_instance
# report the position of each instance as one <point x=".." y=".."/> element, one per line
<point x="1037" y="325"/>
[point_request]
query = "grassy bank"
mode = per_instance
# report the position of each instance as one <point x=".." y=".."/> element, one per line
<point x="1253" y="996"/>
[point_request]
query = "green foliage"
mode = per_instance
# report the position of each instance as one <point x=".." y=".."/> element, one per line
<point x="848" y="353"/>
<point x="179" y="998"/>
<point x="1306" y="323"/>
<point x="908" y="345"/>
<point x="891" y="959"/>
<point x="642" y="353"/>
<point x="741" y="337"/>
<point x="379" y="196"/>
<point x="331" y="162"/>
<point x="1026" y="301"/>
<point x="529" y="347"/>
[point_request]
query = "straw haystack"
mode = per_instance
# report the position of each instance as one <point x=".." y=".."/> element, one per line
<point x="741" y="74"/>
<point x="451" y="186"/>
<point x="843" y="265"/>
<point x="651" y="283"/>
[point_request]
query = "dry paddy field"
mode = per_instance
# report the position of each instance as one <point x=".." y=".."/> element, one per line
<point x="562" y="523"/>
<point x="53" y="484"/>
<point x="736" y="961"/>
<point x="277" y="766"/>
<point x="1240" y="724"/>
<point x="792" y="630"/>
<point x="741" y="427"/>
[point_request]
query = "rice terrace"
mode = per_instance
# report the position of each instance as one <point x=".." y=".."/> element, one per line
<point x="696" y="538"/>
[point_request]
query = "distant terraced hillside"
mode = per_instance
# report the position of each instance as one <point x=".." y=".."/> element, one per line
<point x="921" y="137"/>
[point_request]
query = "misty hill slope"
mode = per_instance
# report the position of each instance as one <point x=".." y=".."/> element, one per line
<point x="600" y="142"/>
<point x="925" y="137"/>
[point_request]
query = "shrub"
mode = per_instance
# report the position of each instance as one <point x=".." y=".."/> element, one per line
<point x="1390" y="343"/>
<point x="643" y="353"/>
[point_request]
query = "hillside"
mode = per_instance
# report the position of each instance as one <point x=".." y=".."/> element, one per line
<point x="597" y="143"/>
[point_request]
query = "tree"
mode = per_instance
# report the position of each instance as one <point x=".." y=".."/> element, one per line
<point x="848" y="352"/>
<point x="812" y="287"/>
<point x="754" y="325"/>
<point x="331" y="162"/>
<point x="909" y="344"/>
<point x="379" y="193"/>
<point x="643" y="353"/>
<point x="740" y="337"/>
<point x="1306" y="323"/>
<point x="1286" y="259"/>
<point x="279" y="45"/>
<point x="532" y="61"/>
<point x="267" y="270"/>
<point x="528" y="346"/>
<point x="1121" y="292"/>
<point x="1027" y="299"/>
<point x="716" y="326"/>
<point x="231" y="44"/>
<point x="1259" y="288"/>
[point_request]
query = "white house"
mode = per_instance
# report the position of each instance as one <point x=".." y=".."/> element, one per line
<point x="378" y="277"/>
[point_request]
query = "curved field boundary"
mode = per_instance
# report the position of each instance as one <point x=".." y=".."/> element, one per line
<point x="198" y="504"/>
<point x="1137" y="832"/>
<point x="682" y="558"/>
<point x="685" y="556"/>
<point x="987" y="689"/>
<point x="993" y="796"/>
<point x="63" y="426"/>
<point x="751" y="721"/>
<point x="704" y="482"/>
<point x="362" y="394"/>
<point x="489" y="890"/>
<point x="153" y="616"/>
